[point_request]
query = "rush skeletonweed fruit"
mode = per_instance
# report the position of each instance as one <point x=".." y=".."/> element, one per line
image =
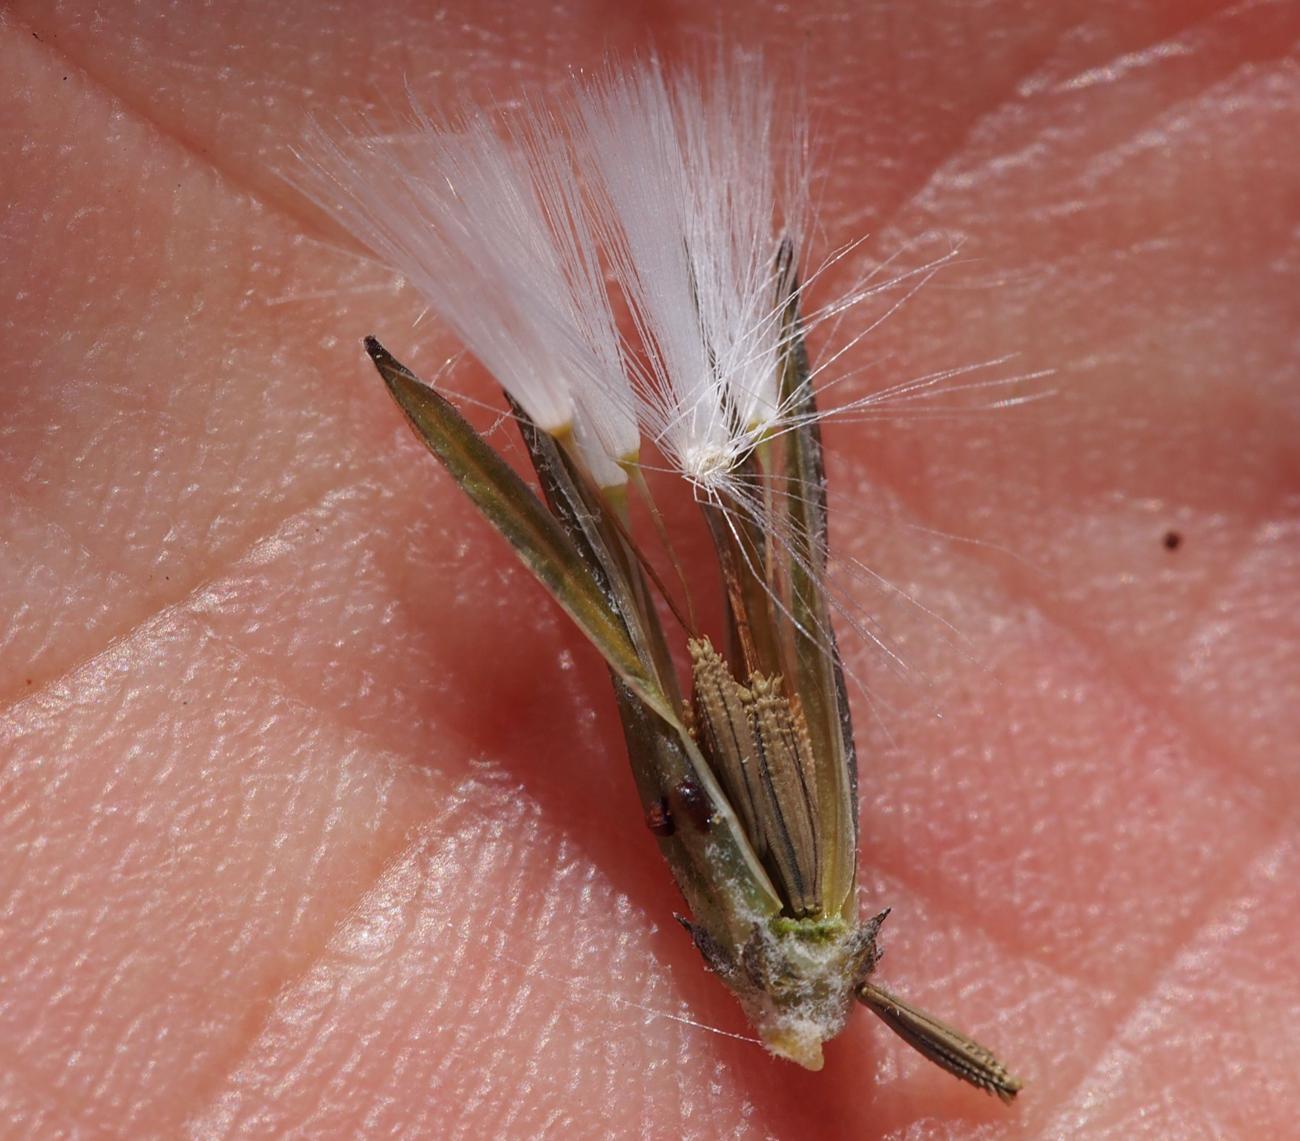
<point x="681" y="198"/>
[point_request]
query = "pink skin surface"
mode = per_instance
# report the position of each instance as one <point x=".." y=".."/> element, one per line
<point x="316" y="813"/>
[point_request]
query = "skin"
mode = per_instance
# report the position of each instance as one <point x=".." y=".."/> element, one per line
<point x="316" y="810"/>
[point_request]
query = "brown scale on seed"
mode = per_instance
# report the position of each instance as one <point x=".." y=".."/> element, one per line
<point x="658" y="819"/>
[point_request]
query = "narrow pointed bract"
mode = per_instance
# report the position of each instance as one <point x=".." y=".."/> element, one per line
<point x="679" y="188"/>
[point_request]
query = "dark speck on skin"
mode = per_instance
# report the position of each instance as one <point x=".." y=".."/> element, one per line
<point x="1173" y="540"/>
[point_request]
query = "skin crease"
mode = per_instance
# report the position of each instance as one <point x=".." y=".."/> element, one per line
<point x="317" y="811"/>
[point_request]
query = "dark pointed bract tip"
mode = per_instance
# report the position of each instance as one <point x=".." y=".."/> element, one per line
<point x="396" y="375"/>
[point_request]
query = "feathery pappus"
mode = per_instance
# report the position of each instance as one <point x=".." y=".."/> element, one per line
<point x="681" y="197"/>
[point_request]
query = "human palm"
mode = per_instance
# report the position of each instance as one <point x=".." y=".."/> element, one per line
<point x="316" y="810"/>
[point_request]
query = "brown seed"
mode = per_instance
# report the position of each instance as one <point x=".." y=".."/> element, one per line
<point x="759" y="749"/>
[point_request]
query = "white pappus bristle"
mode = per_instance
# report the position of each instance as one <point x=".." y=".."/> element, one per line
<point x="684" y="172"/>
<point x="490" y="230"/>
<point x="673" y="185"/>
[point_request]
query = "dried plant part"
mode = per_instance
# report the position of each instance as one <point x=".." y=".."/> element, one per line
<point x="678" y="184"/>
